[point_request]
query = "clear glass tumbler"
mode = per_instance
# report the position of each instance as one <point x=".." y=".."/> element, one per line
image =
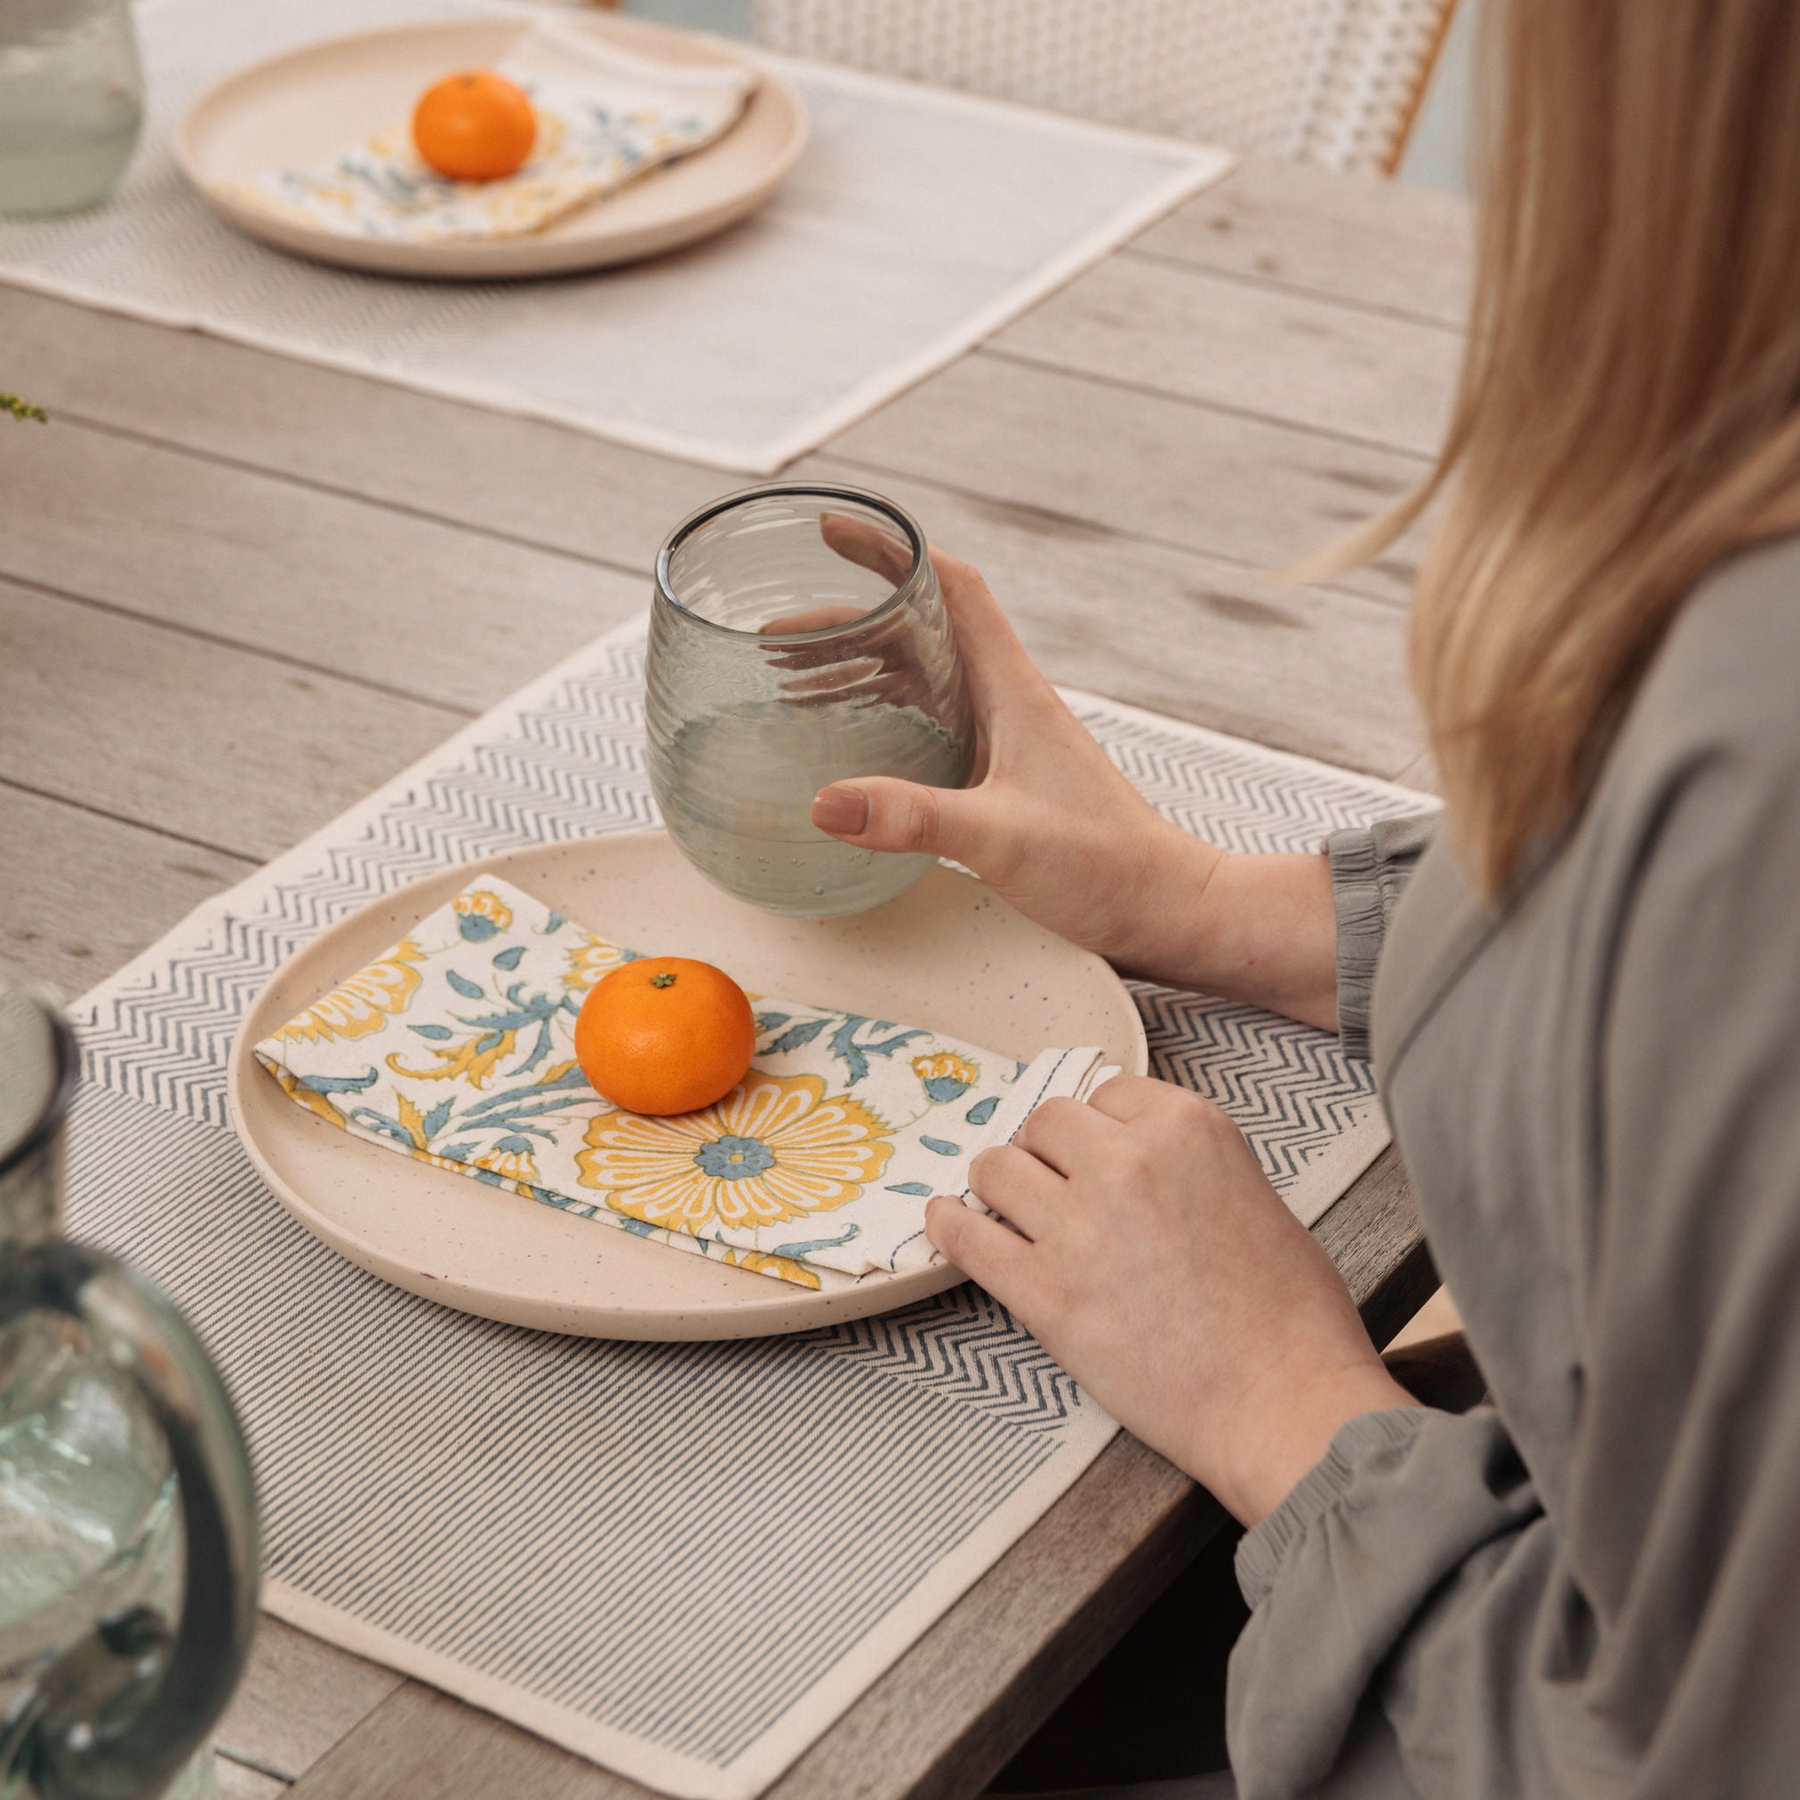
<point x="71" y="102"/>
<point x="798" y="637"/>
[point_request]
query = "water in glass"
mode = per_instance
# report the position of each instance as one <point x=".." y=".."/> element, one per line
<point x="71" y="102"/>
<point x="798" y="637"/>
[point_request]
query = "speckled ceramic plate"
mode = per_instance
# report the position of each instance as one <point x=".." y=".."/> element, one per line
<point x="295" y="110"/>
<point x="948" y="954"/>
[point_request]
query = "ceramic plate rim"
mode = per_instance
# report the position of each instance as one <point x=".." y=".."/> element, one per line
<point x="544" y="253"/>
<point x="785" y="1308"/>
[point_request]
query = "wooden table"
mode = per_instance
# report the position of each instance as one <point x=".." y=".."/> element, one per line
<point x="193" y="554"/>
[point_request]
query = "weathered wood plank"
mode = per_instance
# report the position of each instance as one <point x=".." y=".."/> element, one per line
<point x="463" y="618"/>
<point x="1166" y="470"/>
<point x="238" y="1781"/>
<point x="239" y="753"/>
<point x="540" y="484"/>
<point x="1310" y="670"/>
<point x="81" y="894"/>
<point x="421" y="1743"/>
<point x="1374" y="1236"/>
<point x="410" y="604"/>
<point x="1353" y="238"/>
<point x="298" y="1699"/>
<point x="1145" y="464"/>
<point x="1170" y="329"/>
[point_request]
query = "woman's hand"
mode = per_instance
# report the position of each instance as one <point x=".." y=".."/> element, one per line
<point x="1139" y="1241"/>
<point x="1049" y="822"/>
<point x="1052" y="826"/>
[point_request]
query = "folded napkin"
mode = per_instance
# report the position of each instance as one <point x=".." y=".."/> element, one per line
<point x="604" y="117"/>
<point x="457" y="1046"/>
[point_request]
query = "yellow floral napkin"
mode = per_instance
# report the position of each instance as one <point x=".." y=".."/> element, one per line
<point x="457" y="1047"/>
<point x="605" y="116"/>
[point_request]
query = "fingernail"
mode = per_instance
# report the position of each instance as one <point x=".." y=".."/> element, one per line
<point x="843" y="811"/>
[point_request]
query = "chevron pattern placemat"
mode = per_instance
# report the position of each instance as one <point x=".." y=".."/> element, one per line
<point x="681" y="1560"/>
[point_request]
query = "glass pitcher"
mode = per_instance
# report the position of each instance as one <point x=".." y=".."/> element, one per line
<point x="129" y="1556"/>
<point x="71" y="102"/>
<point x="798" y="637"/>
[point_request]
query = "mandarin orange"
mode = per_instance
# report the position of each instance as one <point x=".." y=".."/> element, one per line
<point x="474" y="126"/>
<point x="665" y="1034"/>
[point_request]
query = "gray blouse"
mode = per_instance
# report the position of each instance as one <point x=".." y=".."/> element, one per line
<point x="1592" y="1585"/>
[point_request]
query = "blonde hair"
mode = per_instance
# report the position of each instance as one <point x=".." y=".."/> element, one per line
<point x="1629" y="406"/>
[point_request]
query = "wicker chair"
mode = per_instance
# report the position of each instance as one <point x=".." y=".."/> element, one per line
<point x="1335" y="82"/>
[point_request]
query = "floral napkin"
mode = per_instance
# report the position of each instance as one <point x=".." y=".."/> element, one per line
<point x="457" y="1047"/>
<point x="605" y="116"/>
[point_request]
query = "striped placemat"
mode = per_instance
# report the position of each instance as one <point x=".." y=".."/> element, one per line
<point x="681" y="1560"/>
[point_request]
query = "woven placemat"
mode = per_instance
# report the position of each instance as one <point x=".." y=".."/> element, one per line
<point x="684" y="1561"/>
<point x="916" y="223"/>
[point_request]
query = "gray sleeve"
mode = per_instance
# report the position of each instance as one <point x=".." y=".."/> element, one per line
<point x="1339" y="1577"/>
<point x="1370" y="866"/>
<point x="1622" y="1622"/>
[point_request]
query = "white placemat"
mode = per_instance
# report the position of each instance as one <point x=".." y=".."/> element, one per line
<point x="916" y="223"/>
<point x="684" y="1561"/>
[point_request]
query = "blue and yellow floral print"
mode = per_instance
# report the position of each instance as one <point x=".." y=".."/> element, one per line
<point x="480" y="915"/>
<point x="362" y="1004"/>
<point x="456" y="1047"/>
<point x="775" y="1148"/>
<point x="946" y="1075"/>
<point x="604" y="117"/>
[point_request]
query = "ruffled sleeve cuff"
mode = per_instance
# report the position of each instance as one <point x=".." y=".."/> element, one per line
<point x="1347" y="1569"/>
<point x="1260" y="1554"/>
<point x="1370" y="867"/>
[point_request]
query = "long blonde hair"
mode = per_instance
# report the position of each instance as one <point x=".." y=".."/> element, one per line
<point x="1629" y="407"/>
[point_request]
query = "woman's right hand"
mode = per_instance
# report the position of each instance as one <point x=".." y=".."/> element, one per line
<point x="1057" y="831"/>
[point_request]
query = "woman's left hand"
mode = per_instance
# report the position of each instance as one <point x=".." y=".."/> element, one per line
<point x="1141" y="1244"/>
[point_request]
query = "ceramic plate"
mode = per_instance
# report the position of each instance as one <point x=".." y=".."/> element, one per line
<point x="948" y="954"/>
<point x="299" y="108"/>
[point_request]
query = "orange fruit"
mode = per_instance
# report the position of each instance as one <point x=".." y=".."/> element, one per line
<point x="475" y="126"/>
<point x="665" y="1034"/>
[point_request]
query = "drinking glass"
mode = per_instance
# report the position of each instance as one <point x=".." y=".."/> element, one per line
<point x="71" y="102"/>
<point x="129" y="1565"/>
<point x="798" y="637"/>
